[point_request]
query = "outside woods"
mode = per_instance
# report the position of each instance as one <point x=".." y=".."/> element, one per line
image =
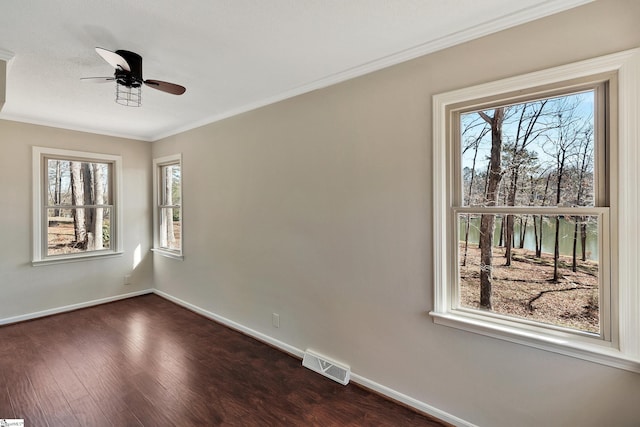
<point x="78" y="206"/>
<point x="170" y="200"/>
<point x="513" y="259"/>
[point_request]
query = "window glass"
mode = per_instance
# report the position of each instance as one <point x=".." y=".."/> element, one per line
<point x="547" y="153"/>
<point x="526" y="289"/>
<point x="530" y="264"/>
<point x="169" y="207"/>
<point x="78" y="209"/>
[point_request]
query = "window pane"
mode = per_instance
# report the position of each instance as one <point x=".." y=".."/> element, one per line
<point x="78" y="230"/>
<point x="170" y="228"/>
<point x="546" y="155"/>
<point x="532" y="287"/>
<point x="78" y="183"/>
<point x="170" y="191"/>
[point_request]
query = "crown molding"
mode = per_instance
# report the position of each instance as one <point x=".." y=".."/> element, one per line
<point x="69" y="127"/>
<point x="550" y="7"/>
<point x="6" y="55"/>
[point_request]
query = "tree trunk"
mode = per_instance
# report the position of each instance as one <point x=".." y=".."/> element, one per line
<point x="486" y="259"/>
<point x="508" y="240"/>
<point x="544" y="200"/>
<point x="77" y="199"/>
<point x="523" y="230"/>
<point x="98" y="191"/>
<point x="487" y="222"/>
<point x="574" y="261"/>
<point x="540" y="238"/>
<point x="583" y="239"/>
<point x="556" y="251"/>
<point x="466" y="240"/>
<point x="89" y="214"/>
<point x="57" y="188"/>
<point x="535" y="234"/>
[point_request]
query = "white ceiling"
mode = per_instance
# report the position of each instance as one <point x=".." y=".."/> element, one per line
<point x="231" y="55"/>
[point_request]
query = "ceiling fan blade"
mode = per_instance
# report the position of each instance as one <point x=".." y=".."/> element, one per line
<point x="97" y="79"/>
<point x="166" y="87"/>
<point x="115" y="60"/>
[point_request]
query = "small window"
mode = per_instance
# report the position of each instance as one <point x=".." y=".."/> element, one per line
<point x="75" y="205"/>
<point x="168" y="202"/>
<point x="532" y="243"/>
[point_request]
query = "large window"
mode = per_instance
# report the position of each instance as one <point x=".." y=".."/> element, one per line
<point x="168" y="202"/>
<point x="528" y="223"/>
<point x="75" y="212"/>
<point x="532" y="210"/>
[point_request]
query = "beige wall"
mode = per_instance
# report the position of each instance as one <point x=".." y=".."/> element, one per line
<point x="25" y="289"/>
<point x="318" y="208"/>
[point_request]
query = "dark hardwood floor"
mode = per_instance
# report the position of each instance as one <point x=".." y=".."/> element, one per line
<point x="148" y="362"/>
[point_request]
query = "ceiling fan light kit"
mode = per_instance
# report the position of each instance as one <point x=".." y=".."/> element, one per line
<point x="128" y="77"/>
<point x="128" y="96"/>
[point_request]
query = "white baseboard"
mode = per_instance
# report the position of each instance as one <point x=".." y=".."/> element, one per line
<point x="365" y="382"/>
<point x="410" y="401"/>
<point x="30" y="316"/>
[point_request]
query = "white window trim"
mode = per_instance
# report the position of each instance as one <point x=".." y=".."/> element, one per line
<point x="157" y="163"/>
<point x="623" y="351"/>
<point x="39" y="256"/>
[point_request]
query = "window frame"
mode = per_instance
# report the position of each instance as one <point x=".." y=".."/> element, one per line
<point x="158" y="164"/>
<point x="621" y="348"/>
<point x="40" y="157"/>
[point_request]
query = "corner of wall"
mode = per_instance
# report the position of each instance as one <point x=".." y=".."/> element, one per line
<point x="3" y="83"/>
<point x="5" y="58"/>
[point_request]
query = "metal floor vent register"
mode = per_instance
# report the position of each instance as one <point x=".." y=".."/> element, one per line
<point x="324" y="366"/>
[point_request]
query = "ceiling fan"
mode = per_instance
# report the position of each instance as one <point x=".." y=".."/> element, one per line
<point x="128" y="77"/>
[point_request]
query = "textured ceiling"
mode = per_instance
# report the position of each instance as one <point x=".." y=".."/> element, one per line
<point x="232" y="55"/>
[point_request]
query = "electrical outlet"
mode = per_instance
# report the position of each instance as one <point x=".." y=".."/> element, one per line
<point x="275" y="320"/>
<point x="127" y="280"/>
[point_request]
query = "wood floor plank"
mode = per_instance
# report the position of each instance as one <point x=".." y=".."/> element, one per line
<point x="6" y="410"/>
<point x="50" y="397"/>
<point x="17" y="367"/>
<point x="148" y="362"/>
<point x="89" y="413"/>
<point x="24" y="401"/>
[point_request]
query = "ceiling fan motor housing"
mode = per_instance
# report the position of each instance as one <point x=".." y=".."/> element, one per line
<point x="131" y="78"/>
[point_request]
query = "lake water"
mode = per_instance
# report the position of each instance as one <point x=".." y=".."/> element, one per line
<point x="548" y="234"/>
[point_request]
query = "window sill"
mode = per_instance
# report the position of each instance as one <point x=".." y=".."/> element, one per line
<point x="74" y="258"/>
<point x="598" y="353"/>
<point x="168" y="254"/>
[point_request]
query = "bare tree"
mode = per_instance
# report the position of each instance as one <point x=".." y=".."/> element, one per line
<point x="570" y="128"/>
<point x="527" y="132"/>
<point x="487" y="221"/>
<point x="538" y="226"/>
<point x="473" y="144"/>
<point x="584" y="167"/>
<point x="98" y="219"/>
<point x="57" y="188"/>
<point x="87" y="191"/>
<point x="77" y="199"/>
<point x="89" y="199"/>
